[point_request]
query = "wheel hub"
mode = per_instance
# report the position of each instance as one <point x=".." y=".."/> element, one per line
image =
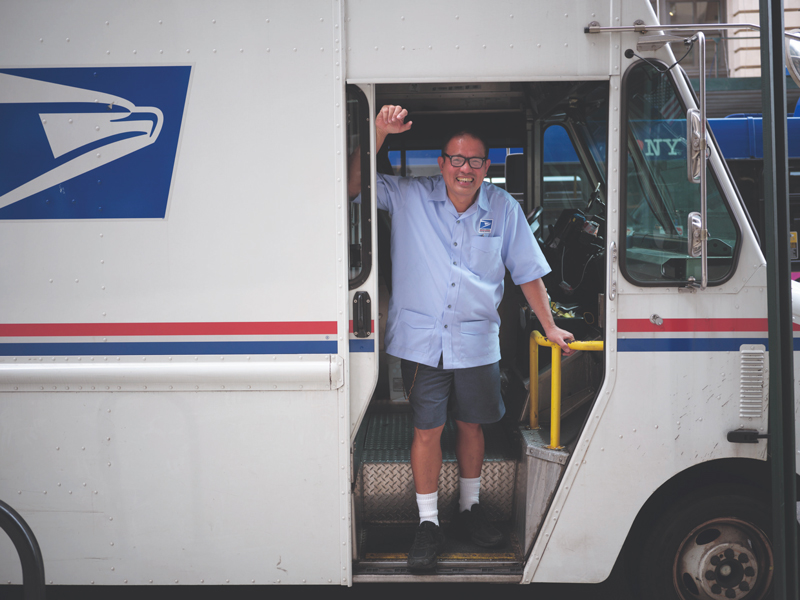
<point x="720" y="560"/>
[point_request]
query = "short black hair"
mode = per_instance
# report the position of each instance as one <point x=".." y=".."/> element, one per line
<point x="465" y="131"/>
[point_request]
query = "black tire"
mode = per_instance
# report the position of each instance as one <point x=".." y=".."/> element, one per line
<point x="712" y="545"/>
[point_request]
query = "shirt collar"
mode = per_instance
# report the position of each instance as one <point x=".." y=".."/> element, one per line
<point x="440" y="195"/>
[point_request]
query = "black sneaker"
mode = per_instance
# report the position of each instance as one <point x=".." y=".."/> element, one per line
<point x="474" y="526"/>
<point x="427" y="542"/>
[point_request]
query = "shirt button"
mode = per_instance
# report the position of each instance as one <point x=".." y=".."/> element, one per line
<point x="449" y="306"/>
<point x="445" y="326"/>
<point x="455" y="263"/>
<point x="452" y="285"/>
<point x="455" y="243"/>
<point x="458" y="221"/>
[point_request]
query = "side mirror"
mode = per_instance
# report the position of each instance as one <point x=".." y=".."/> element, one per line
<point x="792" y="42"/>
<point x="695" y="237"/>
<point x="694" y="156"/>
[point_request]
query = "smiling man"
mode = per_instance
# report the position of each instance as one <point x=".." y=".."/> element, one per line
<point x="453" y="236"/>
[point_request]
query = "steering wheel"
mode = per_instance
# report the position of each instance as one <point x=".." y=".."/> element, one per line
<point x="535" y="219"/>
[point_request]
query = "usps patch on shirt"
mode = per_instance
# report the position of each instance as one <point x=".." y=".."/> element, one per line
<point x="485" y="226"/>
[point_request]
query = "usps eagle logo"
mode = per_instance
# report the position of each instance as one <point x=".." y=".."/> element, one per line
<point x="87" y="143"/>
<point x="485" y="226"/>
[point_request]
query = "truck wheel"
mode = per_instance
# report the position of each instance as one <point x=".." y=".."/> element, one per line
<point x="712" y="546"/>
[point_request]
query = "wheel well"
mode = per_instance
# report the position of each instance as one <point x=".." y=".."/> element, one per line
<point x="736" y="471"/>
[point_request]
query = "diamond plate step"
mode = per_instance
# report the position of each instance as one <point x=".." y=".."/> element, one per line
<point x="385" y="486"/>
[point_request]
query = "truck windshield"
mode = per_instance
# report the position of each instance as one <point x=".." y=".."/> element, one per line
<point x="656" y="193"/>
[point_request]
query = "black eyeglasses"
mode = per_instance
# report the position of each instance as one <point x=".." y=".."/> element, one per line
<point x="475" y="162"/>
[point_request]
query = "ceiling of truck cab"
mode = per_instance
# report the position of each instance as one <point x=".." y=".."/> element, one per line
<point x="498" y="110"/>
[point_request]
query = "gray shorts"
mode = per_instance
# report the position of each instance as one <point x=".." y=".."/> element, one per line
<point x="473" y="393"/>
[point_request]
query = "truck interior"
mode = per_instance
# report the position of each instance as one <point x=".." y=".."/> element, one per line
<point x="548" y="149"/>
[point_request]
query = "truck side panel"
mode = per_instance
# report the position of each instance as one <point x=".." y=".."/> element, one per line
<point x="178" y="381"/>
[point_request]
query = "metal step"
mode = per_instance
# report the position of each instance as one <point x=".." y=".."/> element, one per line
<point x="384" y="490"/>
<point x="385" y="552"/>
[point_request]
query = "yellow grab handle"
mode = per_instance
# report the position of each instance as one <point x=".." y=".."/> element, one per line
<point x="537" y="339"/>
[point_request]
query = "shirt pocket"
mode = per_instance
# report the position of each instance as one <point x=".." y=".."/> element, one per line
<point x="415" y="330"/>
<point x="478" y="338"/>
<point x="484" y="256"/>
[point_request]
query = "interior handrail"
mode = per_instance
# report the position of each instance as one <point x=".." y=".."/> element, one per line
<point x="537" y="339"/>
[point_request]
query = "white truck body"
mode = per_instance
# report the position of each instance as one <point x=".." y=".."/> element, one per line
<point x="180" y="387"/>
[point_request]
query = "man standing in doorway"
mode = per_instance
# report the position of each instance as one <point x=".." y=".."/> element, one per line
<point x="453" y="236"/>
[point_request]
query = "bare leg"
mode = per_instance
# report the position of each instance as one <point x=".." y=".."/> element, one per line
<point x="469" y="449"/>
<point x="426" y="459"/>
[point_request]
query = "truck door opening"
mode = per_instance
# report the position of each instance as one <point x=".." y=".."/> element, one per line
<point x="548" y="149"/>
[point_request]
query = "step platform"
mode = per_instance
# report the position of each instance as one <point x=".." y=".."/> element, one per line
<point x="384" y="489"/>
<point x="384" y="552"/>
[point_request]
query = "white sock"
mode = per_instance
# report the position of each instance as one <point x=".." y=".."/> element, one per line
<point x="428" y="505"/>
<point x="470" y="490"/>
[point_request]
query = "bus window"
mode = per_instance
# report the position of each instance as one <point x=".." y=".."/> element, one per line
<point x="657" y="197"/>
<point x="564" y="183"/>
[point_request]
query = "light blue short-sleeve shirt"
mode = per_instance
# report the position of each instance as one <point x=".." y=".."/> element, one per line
<point x="448" y="270"/>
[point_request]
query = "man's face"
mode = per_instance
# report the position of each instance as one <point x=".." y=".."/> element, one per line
<point x="464" y="182"/>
